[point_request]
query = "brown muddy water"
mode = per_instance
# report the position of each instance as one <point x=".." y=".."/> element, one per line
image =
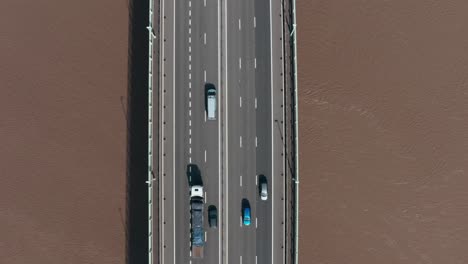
<point x="63" y="131"/>
<point x="384" y="131"/>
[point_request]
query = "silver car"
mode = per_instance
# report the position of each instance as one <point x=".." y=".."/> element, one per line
<point x="263" y="191"/>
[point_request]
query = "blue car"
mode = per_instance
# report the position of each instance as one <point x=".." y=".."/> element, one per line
<point x="246" y="216"/>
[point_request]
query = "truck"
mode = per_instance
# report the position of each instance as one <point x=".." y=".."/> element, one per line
<point x="196" y="210"/>
<point x="211" y="103"/>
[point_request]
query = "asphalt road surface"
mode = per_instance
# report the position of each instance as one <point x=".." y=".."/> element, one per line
<point x="235" y="46"/>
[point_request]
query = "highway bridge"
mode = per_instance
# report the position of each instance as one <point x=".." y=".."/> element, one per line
<point x="237" y="47"/>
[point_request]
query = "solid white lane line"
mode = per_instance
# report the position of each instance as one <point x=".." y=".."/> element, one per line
<point x="204" y="75"/>
<point x="240" y="141"/>
<point x="226" y="260"/>
<point x="272" y="140"/>
<point x="240" y="101"/>
<point x="205" y="155"/>
<point x="255" y="102"/>
<point x="255" y="61"/>
<point x="219" y="132"/>
<point x="241" y="181"/>
<point x="240" y="24"/>
<point x="173" y="134"/>
<point x="240" y="63"/>
<point x="204" y="38"/>
<point x="255" y="22"/>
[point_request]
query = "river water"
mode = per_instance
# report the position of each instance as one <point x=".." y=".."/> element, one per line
<point x="383" y="131"/>
<point x="63" y="81"/>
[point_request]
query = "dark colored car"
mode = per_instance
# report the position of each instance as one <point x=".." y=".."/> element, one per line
<point x="213" y="216"/>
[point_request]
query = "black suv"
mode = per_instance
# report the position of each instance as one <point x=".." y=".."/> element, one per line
<point x="213" y="216"/>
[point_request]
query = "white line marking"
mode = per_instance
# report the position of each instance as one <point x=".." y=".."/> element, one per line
<point x="190" y="121"/>
<point x="240" y="220"/>
<point x="240" y="259"/>
<point x="190" y="31"/>
<point x="256" y="179"/>
<point x="205" y="155"/>
<point x="205" y="231"/>
<point x="204" y="2"/>
<point x="240" y="141"/>
<point x="162" y="209"/>
<point x="190" y="112"/>
<point x="255" y="259"/>
<point x="189" y="39"/>
<point x="173" y="134"/>
<point x="190" y="76"/>
<point x="189" y="57"/>
<point x="190" y="12"/>
<point x="190" y="22"/>
<point x="219" y="132"/>
<point x="190" y="140"/>
<point x="226" y="260"/>
<point x="240" y="63"/>
<point x="255" y="61"/>
<point x="255" y="102"/>
<point x="240" y="101"/>
<point x="190" y="67"/>
<point x="255" y="22"/>
<point x="189" y="48"/>
<point x="272" y="140"/>
<point x="241" y="180"/>
<point x="204" y="75"/>
<point x="205" y="202"/>
<point x="256" y="222"/>
<point x="190" y="150"/>
<point x="256" y="142"/>
<point x="190" y="93"/>
<point x="204" y="38"/>
<point x="240" y="27"/>
<point x="190" y="159"/>
<point x="190" y="87"/>
<point x="190" y="131"/>
<point x="190" y="3"/>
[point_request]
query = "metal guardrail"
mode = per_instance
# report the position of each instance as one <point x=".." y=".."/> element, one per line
<point x="150" y="180"/>
<point x="296" y="138"/>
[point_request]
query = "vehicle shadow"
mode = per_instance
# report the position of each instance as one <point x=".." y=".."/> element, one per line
<point x="136" y="232"/>
<point x="261" y="179"/>
<point x="194" y="175"/>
